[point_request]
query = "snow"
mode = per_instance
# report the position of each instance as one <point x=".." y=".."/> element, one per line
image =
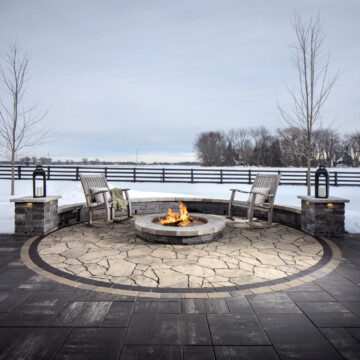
<point x="71" y="192"/>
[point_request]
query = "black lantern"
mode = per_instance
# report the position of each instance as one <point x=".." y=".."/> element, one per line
<point x="321" y="183"/>
<point x="39" y="182"/>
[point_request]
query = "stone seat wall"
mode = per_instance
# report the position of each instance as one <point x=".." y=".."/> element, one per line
<point x="284" y="214"/>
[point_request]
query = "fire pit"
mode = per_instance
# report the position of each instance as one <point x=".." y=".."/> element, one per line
<point x="179" y="228"/>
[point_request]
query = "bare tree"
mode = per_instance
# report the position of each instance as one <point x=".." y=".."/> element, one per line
<point x="261" y="139"/>
<point x="314" y="82"/>
<point x="210" y="148"/>
<point x="292" y="142"/>
<point x="241" y="142"/>
<point x="329" y="146"/>
<point x="21" y="127"/>
<point x="353" y="141"/>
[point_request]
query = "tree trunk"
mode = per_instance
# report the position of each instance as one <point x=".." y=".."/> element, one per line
<point x="14" y="141"/>
<point x="308" y="161"/>
<point x="12" y="181"/>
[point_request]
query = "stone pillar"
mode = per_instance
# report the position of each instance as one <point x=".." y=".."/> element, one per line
<point x="323" y="216"/>
<point x="36" y="216"/>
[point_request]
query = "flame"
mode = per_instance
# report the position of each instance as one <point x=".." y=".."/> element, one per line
<point x="182" y="217"/>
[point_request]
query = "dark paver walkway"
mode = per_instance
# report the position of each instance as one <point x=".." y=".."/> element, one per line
<point x="42" y="319"/>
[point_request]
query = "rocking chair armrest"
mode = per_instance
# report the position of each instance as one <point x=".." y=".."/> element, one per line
<point x="242" y="191"/>
<point x="99" y="192"/>
<point x="261" y="193"/>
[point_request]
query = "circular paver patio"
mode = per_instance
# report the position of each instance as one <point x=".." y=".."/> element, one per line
<point x="112" y="256"/>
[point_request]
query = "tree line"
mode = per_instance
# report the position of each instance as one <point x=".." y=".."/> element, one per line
<point x="258" y="146"/>
<point x="34" y="160"/>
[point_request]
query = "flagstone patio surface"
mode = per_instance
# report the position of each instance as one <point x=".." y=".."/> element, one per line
<point x="114" y="254"/>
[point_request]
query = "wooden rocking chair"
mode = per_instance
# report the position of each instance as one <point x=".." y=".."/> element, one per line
<point x="262" y="196"/>
<point x="100" y="199"/>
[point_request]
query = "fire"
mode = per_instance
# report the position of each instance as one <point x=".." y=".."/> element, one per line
<point x="181" y="218"/>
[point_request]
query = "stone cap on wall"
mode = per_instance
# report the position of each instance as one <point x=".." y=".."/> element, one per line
<point x="29" y="199"/>
<point x="291" y="208"/>
<point x="315" y="200"/>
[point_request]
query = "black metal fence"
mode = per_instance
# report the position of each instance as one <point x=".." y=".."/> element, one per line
<point x="178" y="175"/>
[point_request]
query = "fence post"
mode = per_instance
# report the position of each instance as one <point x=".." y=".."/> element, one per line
<point x="77" y="173"/>
<point x="134" y="171"/>
<point x="163" y="175"/>
<point x="192" y="175"/>
<point x="48" y="172"/>
<point x="221" y="176"/>
<point x="249" y="177"/>
<point x="336" y="178"/>
<point x="105" y="172"/>
<point x="19" y="172"/>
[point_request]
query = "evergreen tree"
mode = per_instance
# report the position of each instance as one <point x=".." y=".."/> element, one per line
<point x="275" y="154"/>
<point x="346" y="157"/>
<point x="230" y="155"/>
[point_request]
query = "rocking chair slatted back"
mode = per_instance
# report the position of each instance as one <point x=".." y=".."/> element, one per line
<point x="270" y="181"/>
<point x="92" y="181"/>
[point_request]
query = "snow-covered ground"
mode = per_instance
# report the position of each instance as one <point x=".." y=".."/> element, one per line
<point x="71" y="192"/>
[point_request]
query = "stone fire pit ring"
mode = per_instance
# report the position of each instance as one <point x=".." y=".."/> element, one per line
<point x="149" y="230"/>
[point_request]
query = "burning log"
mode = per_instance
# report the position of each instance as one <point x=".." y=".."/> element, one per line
<point x="176" y="223"/>
<point x="176" y="219"/>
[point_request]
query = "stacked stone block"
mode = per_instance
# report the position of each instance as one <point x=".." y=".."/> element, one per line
<point x="323" y="216"/>
<point x="36" y="216"/>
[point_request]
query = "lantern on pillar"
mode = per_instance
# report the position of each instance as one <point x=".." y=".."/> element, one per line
<point x="39" y="182"/>
<point x="321" y="183"/>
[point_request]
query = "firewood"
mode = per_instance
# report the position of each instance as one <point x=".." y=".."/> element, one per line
<point x="175" y="223"/>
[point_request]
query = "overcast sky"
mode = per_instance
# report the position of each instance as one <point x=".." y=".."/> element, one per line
<point x="149" y="75"/>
